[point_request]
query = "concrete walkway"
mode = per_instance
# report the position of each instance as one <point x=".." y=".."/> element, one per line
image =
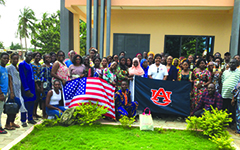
<point x="5" y="139"/>
<point x="169" y="122"/>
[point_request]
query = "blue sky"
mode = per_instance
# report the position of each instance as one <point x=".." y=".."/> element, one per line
<point x="10" y="12"/>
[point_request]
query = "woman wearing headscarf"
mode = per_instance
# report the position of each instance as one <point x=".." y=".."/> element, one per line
<point x="176" y="63"/>
<point x="122" y="71"/>
<point x="136" y="68"/>
<point x="71" y="54"/>
<point x="145" y="67"/>
<point x="139" y="56"/>
<point x="151" y="54"/>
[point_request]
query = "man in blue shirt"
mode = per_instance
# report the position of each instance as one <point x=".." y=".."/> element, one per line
<point x="28" y="88"/>
<point x="3" y="85"/>
<point x="71" y="54"/>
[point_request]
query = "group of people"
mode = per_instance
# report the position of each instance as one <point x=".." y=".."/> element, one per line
<point x="215" y="81"/>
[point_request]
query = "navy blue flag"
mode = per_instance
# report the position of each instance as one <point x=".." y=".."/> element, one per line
<point x="163" y="97"/>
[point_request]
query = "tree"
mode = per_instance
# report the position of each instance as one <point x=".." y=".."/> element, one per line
<point x="83" y="35"/>
<point x="15" y="46"/>
<point x="1" y="45"/>
<point x="26" y="24"/>
<point x="47" y="36"/>
<point x="2" y="2"/>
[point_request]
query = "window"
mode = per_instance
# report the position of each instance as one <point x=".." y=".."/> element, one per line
<point x="131" y="44"/>
<point x="184" y="45"/>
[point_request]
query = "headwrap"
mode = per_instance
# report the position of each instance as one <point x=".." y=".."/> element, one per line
<point x="138" y="54"/>
<point x="151" y="53"/>
<point x="178" y="63"/>
<point x="93" y="49"/>
<point x="181" y="58"/>
<point x="136" y="70"/>
<point x="123" y="67"/>
<point x="144" y="69"/>
<point x="69" y="53"/>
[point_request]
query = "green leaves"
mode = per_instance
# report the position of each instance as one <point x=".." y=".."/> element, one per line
<point x="213" y="123"/>
<point x="89" y="113"/>
<point x="126" y="121"/>
<point x="46" y="39"/>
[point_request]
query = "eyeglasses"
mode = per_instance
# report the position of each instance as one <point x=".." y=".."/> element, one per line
<point x="157" y="70"/>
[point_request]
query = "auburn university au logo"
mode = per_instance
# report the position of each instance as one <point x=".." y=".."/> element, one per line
<point x="162" y="94"/>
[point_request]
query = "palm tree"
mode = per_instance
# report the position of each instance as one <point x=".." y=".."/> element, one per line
<point x="26" y="24"/>
<point x="2" y="2"/>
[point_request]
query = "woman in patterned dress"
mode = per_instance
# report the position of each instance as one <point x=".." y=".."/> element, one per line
<point x="46" y="78"/>
<point x="122" y="72"/>
<point x="37" y="67"/>
<point x="202" y="78"/>
<point x="109" y="74"/>
<point x="217" y="72"/>
<point x="59" y="69"/>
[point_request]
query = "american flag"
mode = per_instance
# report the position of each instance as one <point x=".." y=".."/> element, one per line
<point x="81" y="90"/>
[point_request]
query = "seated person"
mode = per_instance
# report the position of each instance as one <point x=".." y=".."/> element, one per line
<point x="123" y="103"/>
<point x="210" y="97"/>
<point x="52" y="101"/>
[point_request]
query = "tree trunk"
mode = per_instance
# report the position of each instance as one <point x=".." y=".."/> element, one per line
<point x="21" y="43"/>
<point x="26" y="43"/>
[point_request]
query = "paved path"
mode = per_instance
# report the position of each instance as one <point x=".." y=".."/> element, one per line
<point x="170" y="122"/>
<point x="5" y="139"/>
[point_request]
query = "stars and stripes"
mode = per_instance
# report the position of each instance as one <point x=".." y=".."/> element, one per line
<point x="81" y="90"/>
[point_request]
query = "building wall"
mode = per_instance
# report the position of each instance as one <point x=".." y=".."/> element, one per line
<point x="159" y="23"/>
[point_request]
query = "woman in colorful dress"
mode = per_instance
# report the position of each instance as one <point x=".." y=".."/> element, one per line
<point x="37" y="67"/>
<point x="145" y="67"/>
<point x="88" y="72"/>
<point x="217" y="72"/>
<point x="185" y="74"/>
<point x="109" y="74"/>
<point x="46" y="78"/>
<point x="122" y="71"/>
<point x="202" y="78"/>
<point x="59" y="69"/>
<point x="76" y="70"/>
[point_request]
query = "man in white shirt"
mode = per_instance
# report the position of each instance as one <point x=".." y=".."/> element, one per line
<point x="157" y="70"/>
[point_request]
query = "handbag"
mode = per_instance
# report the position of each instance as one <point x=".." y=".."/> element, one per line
<point x="146" y="121"/>
<point x="10" y="107"/>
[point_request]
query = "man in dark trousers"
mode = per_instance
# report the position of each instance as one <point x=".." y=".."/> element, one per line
<point x="28" y="88"/>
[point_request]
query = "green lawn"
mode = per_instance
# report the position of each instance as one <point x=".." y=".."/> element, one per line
<point x="106" y="137"/>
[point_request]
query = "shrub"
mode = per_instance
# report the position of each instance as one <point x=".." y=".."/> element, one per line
<point x="126" y="121"/>
<point x="160" y="130"/>
<point x="213" y="123"/>
<point x="88" y="113"/>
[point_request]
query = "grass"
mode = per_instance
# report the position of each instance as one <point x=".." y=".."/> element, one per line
<point x="106" y="137"/>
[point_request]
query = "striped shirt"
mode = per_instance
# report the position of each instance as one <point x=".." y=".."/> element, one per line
<point x="229" y="81"/>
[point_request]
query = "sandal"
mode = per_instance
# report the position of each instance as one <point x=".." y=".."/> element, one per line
<point x="14" y="125"/>
<point x="8" y="127"/>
